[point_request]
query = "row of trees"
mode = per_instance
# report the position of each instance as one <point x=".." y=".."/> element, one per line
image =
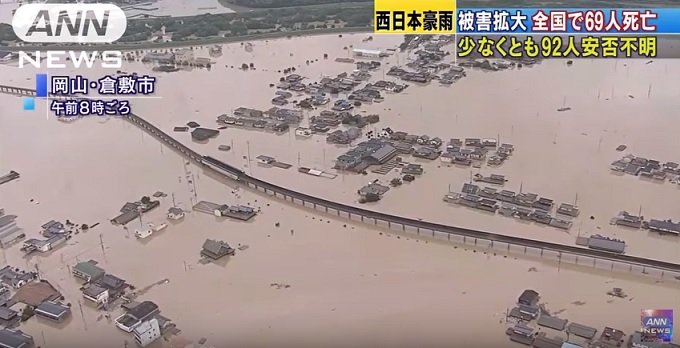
<point x="236" y="24"/>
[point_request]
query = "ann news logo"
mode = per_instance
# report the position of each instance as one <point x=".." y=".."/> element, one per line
<point x="657" y="325"/>
<point x="69" y="23"/>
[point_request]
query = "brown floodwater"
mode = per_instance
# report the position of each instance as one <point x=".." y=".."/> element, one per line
<point x="349" y="283"/>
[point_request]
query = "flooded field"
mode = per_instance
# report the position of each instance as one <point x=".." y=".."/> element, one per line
<point x="361" y="280"/>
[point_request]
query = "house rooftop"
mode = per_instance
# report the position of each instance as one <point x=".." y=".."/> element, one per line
<point x="664" y="226"/>
<point x="93" y="290"/>
<point x="552" y="322"/>
<point x="216" y="249"/>
<point x="175" y="210"/>
<point x="89" y="268"/>
<point x="7" y="314"/>
<point x="112" y="282"/>
<point x="15" y="339"/>
<point x="52" y="309"/>
<point x="143" y="310"/>
<point x="581" y="330"/>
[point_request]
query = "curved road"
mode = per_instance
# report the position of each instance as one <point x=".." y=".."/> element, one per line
<point x="378" y="216"/>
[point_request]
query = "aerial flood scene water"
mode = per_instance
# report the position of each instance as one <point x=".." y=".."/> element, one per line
<point x="576" y="153"/>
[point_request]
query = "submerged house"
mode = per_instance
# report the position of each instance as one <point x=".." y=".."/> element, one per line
<point x="664" y="226"/>
<point x="15" y="339"/>
<point x="607" y="244"/>
<point x="175" y="213"/>
<point x="147" y="332"/>
<point x="626" y="219"/>
<point x="115" y="286"/>
<point x="568" y="209"/>
<point x="215" y="249"/>
<point x="52" y="227"/>
<point x="135" y="316"/>
<point x="44" y="245"/>
<point x="14" y="277"/>
<point x="53" y="310"/>
<point x="9" y="231"/>
<point x="96" y="294"/>
<point x="528" y="298"/>
<point x="87" y="271"/>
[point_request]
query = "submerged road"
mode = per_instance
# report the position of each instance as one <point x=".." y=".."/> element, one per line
<point x="275" y="190"/>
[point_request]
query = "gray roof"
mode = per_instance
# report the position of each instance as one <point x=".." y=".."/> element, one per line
<point x="374" y="188"/>
<point x="14" y="339"/>
<point x="552" y="322"/>
<point x="176" y="211"/>
<point x="143" y="310"/>
<point x="110" y="281"/>
<point x="529" y="296"/>
<point x="616" y="246"/>
<point x="545" y="342"/>
<point x="522" y="328"/>
<point x="93" y="290"/>
<point x="7" y="219"/>
<point x="470" y="188"/>
<point x="52" y="308"/>
<point x="49" y="224"/>
<point x="581" y="330"/>
<point x="7" y="313"/>
<point x="384" y="152"/>
<point x="664" y="225"/>
<point x="126" y="217"/>
<point x="216" y="247"/>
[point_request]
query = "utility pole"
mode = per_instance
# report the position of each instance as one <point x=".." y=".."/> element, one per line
<point x="193" y="183"/>
<point x="101" y="243"/>
<point x="82" y="315"/>
<point x="250" y="169"/>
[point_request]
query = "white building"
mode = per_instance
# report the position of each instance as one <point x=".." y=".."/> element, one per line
<point x="362" y="52"/>
<point x="147" y="332"/>
<point x="149" y="230"/>
<point x="303" y="132"/>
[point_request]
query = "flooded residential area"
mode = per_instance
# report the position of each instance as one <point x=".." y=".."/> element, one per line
<point x="121" y="235"/>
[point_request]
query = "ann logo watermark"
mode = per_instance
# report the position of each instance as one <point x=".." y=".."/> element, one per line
<point x="657" y="325"/>
<point x="69" y="23"/>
